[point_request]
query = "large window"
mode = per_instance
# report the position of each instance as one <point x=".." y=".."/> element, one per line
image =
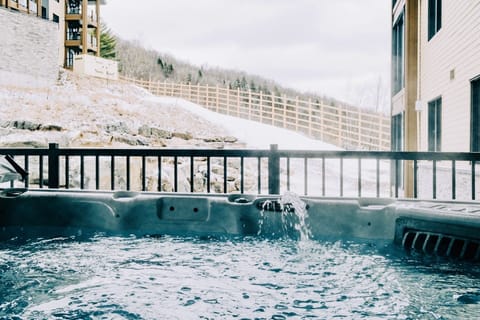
<point x="435" y="125"/>
<point x="398" y="64"/>
<point x="434" y="17"/>
<point x="397" y="132"/>
<point x="475" y="116"/>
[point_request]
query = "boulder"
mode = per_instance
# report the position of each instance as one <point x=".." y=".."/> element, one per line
<point x="153" y="132"/>
<point x="130" y="140"/>
<point x="120" y="127"/>
<point x="50" y="127"/>
<point x="182" y="135"/>
<point x="22" y="125"/>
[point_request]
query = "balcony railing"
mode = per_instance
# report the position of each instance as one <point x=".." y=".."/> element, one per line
<point x="74" y="10"/>
<point x="92" y="17"/>
<point x="323" y="173"/>
<point x="74" y="35"/>
<point x="92" y="41"/>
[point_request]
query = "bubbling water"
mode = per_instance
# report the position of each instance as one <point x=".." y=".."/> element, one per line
<point x="295" y="215"/>
<point x="249" y="278"/>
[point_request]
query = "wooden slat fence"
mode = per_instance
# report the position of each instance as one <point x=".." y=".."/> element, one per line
<point x="347" y="127"/>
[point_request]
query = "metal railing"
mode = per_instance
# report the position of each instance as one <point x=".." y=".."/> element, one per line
<point x="74" y="10"/>
<point x="74" y="35"/>
<point x="323" y="173"/>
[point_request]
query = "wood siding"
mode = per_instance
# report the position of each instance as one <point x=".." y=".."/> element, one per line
<point x="447" y="64"/>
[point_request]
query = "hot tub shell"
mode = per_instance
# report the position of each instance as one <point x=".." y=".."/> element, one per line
<point x="410" y="223"/>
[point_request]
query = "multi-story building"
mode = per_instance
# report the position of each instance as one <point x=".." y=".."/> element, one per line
<point x="78" y="23"/>
<point x="435" y="76"/>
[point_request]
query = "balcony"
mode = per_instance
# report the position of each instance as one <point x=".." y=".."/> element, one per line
<point x="92" y="44"/>
<point x="73" y="13"/>
<point x="19" y="5"/>
<point x="92" y="19"/>
<point x="74" y="39"/>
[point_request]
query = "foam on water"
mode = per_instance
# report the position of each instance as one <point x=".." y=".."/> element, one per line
<point x="295" y="214"/>
<point x="192" y="278"/>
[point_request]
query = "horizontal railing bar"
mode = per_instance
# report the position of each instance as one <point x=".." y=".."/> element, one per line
<point x="247" y="153"/>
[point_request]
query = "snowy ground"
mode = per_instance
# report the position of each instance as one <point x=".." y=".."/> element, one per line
<point x="254" y="134"/>
<point x="86" y="112"/>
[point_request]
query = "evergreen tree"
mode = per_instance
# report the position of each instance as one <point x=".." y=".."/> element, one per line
<point x="189" y="78"/>
<point x="160" y="63"/>
<point x="244" y="84"/>
<point x="108" y="43"/>
<point x="252" y="86"/>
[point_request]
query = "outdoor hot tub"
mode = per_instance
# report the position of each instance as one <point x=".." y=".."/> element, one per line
<point x="448" y="229"/>
<point x="142" y="255"/>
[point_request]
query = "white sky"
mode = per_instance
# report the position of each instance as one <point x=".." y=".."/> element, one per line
<point x="340" y="48"/>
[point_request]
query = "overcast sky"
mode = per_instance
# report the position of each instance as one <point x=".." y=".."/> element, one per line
<point x="339" y="48"/>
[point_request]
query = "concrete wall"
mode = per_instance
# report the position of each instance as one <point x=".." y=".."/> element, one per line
<point x="29" y="48"/>
<point x="447" y="64"/>
<point x="95" y="66"/>
<point x="58" y="8"/>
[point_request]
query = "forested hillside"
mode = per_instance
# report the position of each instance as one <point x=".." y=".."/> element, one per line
<point x="138" y="62"/>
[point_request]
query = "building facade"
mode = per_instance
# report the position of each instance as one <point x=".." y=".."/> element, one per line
<point x="78" y="24"/>
<point x="435" y="76"/>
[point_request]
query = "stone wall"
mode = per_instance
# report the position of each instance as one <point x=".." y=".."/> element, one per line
<point x="29" y="48"/>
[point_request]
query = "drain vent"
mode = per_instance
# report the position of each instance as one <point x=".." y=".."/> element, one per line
<point x="441" y="245"/>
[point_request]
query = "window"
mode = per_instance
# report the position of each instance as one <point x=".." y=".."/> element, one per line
<point x="397" y="132"/>
<point x="398" y="64"/>
<point x="71" y="53"/>
<point x="394" y="2"/>
<point x="397" y="145"/>
<point x="434" y="17"/>
<point x="55" y="18"/>
<point x="435" y="125"/>
<point x="475" y="116"/>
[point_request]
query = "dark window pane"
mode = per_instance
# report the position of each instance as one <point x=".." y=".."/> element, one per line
<point x="398" y="55"/>
<point x="397" y="132"/>
<point x="475" y="117"/>
<point x="434" y="17"/>
<point x="435" y="125"/>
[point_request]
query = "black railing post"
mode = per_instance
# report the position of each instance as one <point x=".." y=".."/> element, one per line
<point x="53" y="166"/>
<point x="273" y="170"/>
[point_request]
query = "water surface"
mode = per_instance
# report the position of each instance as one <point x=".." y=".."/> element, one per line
<point x="249" y="278"/>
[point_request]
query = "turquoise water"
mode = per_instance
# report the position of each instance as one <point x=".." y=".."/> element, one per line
<point x="250" y="278"/>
